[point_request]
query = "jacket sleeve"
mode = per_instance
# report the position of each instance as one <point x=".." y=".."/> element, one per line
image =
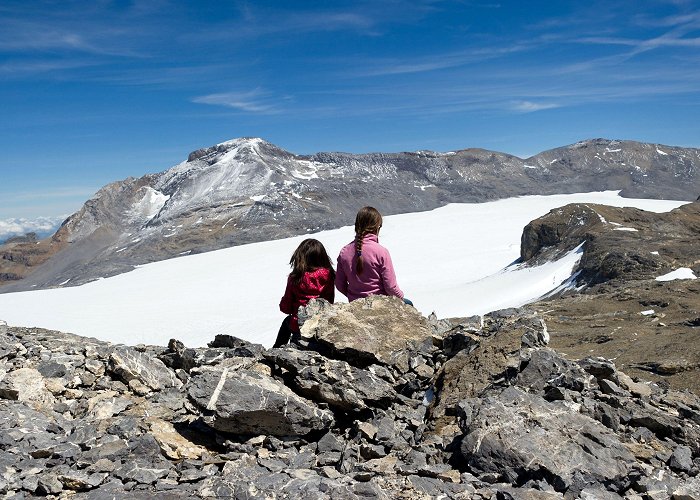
<point x="341" y="280"/>
<point x="391" y="287"/>
<point x="328" y="291"/>
<point x="287" y="302"/>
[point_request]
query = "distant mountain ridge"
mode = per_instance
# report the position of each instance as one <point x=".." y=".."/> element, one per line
<point x="248" y="190"/>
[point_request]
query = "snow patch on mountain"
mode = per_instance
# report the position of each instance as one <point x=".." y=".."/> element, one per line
<point x="149" y="205"/>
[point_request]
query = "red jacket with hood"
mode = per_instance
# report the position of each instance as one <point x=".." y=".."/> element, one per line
<point x="313" y="284"/>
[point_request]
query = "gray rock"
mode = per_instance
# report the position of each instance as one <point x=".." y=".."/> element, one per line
<point x="592" y="493"/>
<point x="245" y="402"/>
<point x="657" y="485"/>
<point x="313" y="308"/>
<point x="336" y="383"/>
<point x="681" y="459"/>
<point x="688" y="490"/>
<point x="376" y="329"/>
<point x="507" y="492"/>
<point x="600" y="368"/>
<point x="26" y="384"/>
<point x="78" y="480"/>
<point x="129" y="364"/>
<point x="536" y="334"/>
<point x="546" y="369"/>
<point x="456" y="341"/>
<point x="528" y="416"/>
<point x="661" y="424"/>
<point x="49" y="484"/>
<point x="468" y="374"/>
<point x="141" y="472"/>
<point x="610" y="387"/>
<point x="330" y="443"/>
<point x="517" y="435"/>
<point x="52" y="369"/>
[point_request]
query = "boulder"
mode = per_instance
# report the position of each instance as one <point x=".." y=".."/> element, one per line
<point x="336" y="383"/>
<point x="246" y="402"/>
<point x="495" y="359"/>
<point x="545" y="369"/>
<point x="129" y="364"/>
<point x="376" y="329"/>
<point x="518" y="436"/>
<point x="27" y="384"/>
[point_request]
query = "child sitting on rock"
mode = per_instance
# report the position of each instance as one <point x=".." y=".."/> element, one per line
<point x="312" y="276"/>
<point x="364" y="266"/>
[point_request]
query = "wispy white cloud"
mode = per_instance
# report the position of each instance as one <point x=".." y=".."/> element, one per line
<point x="435" y="62"/>
<point x="530" y="107"/>
<point x="44" y="36"/>
<point x="255" y="101"/>
<point x="22" y="68"/>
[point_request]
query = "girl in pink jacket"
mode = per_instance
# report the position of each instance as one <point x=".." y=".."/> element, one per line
<point x="364" y="266"/>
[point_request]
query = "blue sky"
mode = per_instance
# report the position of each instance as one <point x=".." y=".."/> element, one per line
<point x="96" y="91"/>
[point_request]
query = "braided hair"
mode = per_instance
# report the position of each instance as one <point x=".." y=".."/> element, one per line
<point x="367" y="221"/>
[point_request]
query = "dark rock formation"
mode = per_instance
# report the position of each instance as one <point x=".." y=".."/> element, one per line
<point x="464" y="408"/>
<point x="619" y="243"/>
<point x="245" y="402"/>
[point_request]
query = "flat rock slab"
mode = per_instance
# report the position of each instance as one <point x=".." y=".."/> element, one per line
<point x="26" y="384"/>
<point x="246" y="402"/>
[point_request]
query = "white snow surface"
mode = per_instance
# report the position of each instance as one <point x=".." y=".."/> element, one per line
<point x="456" y="260"/>
<point x="682" y="273"/>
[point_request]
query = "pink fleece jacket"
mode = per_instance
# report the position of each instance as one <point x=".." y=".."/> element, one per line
<point x="377" y="277"/>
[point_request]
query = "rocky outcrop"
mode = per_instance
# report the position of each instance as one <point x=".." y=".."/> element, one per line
<point x="177" y="211"/>
<point x="463" y="408"/>
<point x="619" y="243"/>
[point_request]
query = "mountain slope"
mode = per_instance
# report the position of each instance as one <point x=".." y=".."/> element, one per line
<point x="248" y="190"/>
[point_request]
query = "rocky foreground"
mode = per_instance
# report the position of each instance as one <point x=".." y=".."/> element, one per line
<point x="373" y="401"/>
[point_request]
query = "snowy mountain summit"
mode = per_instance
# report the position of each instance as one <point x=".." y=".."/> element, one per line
<point x="247" y="190"/>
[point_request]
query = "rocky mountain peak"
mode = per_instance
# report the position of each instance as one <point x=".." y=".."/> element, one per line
<point x="241" y="148"/>
<point x="247" y="190"/>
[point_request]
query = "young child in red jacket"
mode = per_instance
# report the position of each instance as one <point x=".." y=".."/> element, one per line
<point x="312" y="276"/>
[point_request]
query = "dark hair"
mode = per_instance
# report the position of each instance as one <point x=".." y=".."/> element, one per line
<point x="309" y="256"/>
<point x="367" y="221"/>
